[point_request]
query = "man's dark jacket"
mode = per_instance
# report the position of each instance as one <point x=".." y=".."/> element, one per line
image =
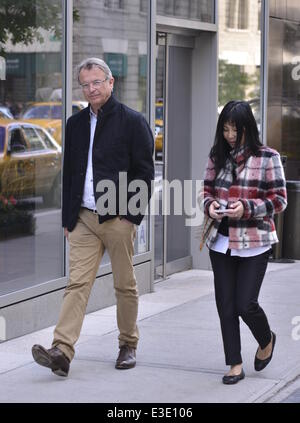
<point x="123" y="142"/>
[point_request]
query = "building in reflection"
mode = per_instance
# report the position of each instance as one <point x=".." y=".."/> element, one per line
<point x="283" y="108"/>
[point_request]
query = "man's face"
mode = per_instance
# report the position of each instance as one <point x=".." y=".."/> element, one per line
<point x="95" y="92"/>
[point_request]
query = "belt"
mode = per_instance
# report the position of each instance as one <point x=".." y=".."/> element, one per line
<point x="91" y="210"/>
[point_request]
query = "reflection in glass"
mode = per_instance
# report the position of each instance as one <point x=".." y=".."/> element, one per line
<point x="239" y="53"/>
<point x="237" y="14"/>
<point x="159" y="162"/>
<point x="31" y="247"/>
<point x="200" y="10"/>
<point x="116" y="32"/>
<point x="284" y="93"/>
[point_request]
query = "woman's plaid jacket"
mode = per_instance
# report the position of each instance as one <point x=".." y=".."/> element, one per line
<point x="259" y="183"/>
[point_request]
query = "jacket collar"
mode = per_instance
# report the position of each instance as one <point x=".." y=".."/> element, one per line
<point x="240" y="155"/>
<point x="107" y="108"/>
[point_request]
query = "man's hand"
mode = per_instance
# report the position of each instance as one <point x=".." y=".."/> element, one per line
<point x="66" y="233"/>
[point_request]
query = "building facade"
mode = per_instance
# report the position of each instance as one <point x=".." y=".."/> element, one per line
<point x="176" y="62"/>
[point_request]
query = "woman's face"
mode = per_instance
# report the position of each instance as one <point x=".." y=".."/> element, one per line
<point x="230" y="134"/>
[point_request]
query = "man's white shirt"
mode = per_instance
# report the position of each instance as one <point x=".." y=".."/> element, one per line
<point x="88" y="199"/>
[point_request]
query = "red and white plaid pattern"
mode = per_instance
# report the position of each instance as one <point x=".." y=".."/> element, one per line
<point x="259" y="185"/>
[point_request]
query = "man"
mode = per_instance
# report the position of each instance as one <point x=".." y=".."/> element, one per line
<point x="101" y="141"/>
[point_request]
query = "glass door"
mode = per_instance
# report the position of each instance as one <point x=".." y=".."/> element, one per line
<point x="172" y="150"/>
<point x="160" y="146"/>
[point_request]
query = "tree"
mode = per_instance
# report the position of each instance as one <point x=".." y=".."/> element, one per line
<point x="20" y="20"/>
<point x="234" y="83"/>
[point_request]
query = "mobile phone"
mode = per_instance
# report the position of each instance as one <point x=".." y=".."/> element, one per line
<point x="221" y="211"/>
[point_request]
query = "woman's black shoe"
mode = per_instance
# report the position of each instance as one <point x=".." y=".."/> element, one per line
<point x="261" y="364"/>
<point x="231" y="380"/>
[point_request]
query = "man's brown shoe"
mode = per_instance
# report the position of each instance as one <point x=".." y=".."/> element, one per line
<point x="126" y="358"/>
<point x="53" y="358"/>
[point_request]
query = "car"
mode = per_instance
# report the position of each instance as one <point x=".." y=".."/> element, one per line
<point x="159" y="128"/>
<point x="49" y="115"/>
<point x="5" y="113"/>
<point x="30" y="162"/>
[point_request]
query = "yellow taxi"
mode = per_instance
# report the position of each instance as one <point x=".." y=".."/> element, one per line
<point x="159" y="128"/>
<point x="49" y="115"/>
<point x="30" y="162"/>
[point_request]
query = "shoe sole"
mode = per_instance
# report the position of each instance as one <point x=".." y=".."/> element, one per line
<point x="60" y="372"/>
<point x="42" y="357"/>
<point x="234" y="382"/>
<point x="124" y="366"/>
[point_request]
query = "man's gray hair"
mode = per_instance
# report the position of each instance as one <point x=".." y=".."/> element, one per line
<point x="90" y="63"/>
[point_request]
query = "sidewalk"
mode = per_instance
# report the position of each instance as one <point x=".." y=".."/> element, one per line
<point x="180" y="356"/>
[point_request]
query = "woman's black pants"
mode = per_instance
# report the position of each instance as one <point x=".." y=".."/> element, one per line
<point x="237" y="284"/>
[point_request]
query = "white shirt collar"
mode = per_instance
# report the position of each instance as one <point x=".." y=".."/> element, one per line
<point x="92" y="114"/>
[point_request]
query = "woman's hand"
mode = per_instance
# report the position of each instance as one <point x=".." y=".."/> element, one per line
<point x="215" y="206"/>
<point x="236" y="210"/>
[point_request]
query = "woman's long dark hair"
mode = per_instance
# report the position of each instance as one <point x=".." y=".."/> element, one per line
<point x="239" y="114"/>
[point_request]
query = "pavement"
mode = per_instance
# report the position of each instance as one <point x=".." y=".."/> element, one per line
<point x="180" y="356"/>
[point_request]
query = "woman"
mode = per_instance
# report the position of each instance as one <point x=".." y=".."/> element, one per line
<point x="244" y="186"/>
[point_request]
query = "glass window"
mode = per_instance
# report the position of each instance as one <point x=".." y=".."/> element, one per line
<point x="121" y="41"/>
<point x="5" y="113"/>
<point x="38" y="112"/>
<point x="259" y="15"/>
<point x="56" y="112"/>
<point x="44" y="136"/>
<point x="31" y="241"/>
<point x="159" y="111"/>
<point x="75" y="109"/>
<point x="16" y="139"/>
<point x="237" y="14"/>
<point x="283" y="126"/>
<point x="239" y="54"/>
<point x="200" y="10"/>
<point x="144" y="6"/>
<point x="114" y="4"/>
<point x="33" y="139"/>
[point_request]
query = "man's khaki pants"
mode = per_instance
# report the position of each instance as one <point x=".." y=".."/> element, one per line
<point x="88" y="242"/>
